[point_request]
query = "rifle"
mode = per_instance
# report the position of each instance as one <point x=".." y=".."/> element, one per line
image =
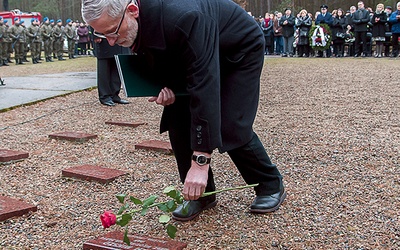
<point x="16" y="39"/>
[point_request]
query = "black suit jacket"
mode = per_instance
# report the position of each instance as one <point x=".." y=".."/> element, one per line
<point x="198" y="43"/>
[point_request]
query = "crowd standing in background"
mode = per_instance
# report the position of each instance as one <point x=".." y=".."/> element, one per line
<point x="359" y="32"/>
<point x="48" y="36"/>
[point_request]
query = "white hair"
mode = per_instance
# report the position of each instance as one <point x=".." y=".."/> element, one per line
<point x="93" y="9"/>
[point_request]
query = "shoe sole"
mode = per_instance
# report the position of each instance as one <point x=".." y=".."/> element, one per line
<point x="272" y="209"/>
<point x="211" y="205"/>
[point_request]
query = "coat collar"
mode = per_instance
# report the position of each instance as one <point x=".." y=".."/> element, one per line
<point x="151" y="26"/>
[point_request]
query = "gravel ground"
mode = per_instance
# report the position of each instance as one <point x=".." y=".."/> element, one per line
<point x="331" y="125"/>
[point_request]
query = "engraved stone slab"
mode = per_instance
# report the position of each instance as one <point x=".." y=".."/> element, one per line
<point x="126" y="124"/>
<point x="160" y="146"/>
<point x="73" y="136"/>
<point x="10" y="207"/>
<point x="11" y="155"/>
<point x="93" y="173"/>
<point x="114" y="240"/>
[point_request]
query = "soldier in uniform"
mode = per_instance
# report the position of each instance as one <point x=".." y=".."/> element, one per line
<point x="53" y="42"/>
<point x="33" y="32"/>
<point x="58" y="40"/>
<point x="16" y="32"/>
<point x="3" y="44"/>
<point x="46" y="31"/>
<point x="70" y="33"/>
<point x="26" y="41"/>
<point x="7" y="42"/>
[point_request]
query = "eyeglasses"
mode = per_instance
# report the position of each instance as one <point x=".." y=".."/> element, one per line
<point x="115" y="34"/>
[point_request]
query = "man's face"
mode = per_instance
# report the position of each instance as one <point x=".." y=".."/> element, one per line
<point x="323" y="10"/>
<point x="127" y="31"/>
<point x="388" y="11"/>
<point x="360" y="5"/>
<point x="352" y="9"/>
<point x="288" y="12"/>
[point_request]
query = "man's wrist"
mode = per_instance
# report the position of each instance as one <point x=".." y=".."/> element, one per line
<point x="201" y="158"/>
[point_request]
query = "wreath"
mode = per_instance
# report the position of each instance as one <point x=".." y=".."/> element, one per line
<point x="320" y="37"/>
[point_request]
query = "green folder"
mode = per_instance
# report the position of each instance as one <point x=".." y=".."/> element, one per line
<point x="137" y="78"/>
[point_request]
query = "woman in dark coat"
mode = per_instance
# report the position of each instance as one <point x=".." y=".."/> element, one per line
<point x="339" y="32"/>
<point x="379" y="20"/>
<point x="303" y="23"/>
<point x="267" y="26"/>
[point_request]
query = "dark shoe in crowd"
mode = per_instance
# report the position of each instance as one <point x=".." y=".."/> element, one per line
<point x="108" y="103"/>
<point x="284" y="55"/>
<point x="194" y="208"/>
<point x="356" y="55"/>
<point x="121" y="101"/>
<point x="267" y="203"/>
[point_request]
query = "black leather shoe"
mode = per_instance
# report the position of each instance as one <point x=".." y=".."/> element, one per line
<point x="120" y="101"/>
<point x="267" y="203"/>
<point x="194" y="209"/>
<point x="108" y="103"/>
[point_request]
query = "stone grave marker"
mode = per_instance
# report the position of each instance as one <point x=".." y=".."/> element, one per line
<point x="11" y="155"/>
<point x="114" y="240"/>
<point x="10" y="207"/>
<point x="93" y="173"/>
<point x="126" y="124"/>
<point x="73" y="136"/>
<point x="160" y="146"/>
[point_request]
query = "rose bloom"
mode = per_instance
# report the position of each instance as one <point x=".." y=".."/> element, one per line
<point x="108" y="219"/>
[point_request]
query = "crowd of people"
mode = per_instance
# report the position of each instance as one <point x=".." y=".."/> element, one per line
<point x="47" y="36"/>
<point x="359" y="31"/>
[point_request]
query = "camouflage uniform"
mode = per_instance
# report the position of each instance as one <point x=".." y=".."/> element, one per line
<point x="58" y="40"/>
<point x="3" y="44"/>
<point x="16" y="32"/>
<point x="33" y="32"/>
<point x="46" y="32"/>
<point x="70" y="33"/>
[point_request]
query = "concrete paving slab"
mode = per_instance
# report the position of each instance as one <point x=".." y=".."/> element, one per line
<point x="24" y="90"/>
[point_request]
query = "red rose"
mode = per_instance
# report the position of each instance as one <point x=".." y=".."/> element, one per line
<point x="108" y="219"/>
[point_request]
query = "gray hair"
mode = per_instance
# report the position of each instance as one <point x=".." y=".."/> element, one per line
<point x="93" y="9"/>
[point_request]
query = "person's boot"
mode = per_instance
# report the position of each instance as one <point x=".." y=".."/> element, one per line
<point x="20" y="61"/>
<point x="5" y="63"/>
<point x="24" y="59"/>
<point x="16" y="62"/>
<point x="60" y="58"/>
<point x="9" y="60"/>
<point x="38" y="60"/>
<point x="34" y="61"/>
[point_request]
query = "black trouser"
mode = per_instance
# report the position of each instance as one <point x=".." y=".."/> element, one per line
<point x="395" y="44"/>
<point x="251" y="159"/>
<point x="108" y="81"/>
<point x="361" y="37"/>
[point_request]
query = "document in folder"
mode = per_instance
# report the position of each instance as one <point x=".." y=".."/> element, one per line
<point x="137" y="78"/>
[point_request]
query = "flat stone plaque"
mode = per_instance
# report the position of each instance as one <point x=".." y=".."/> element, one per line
<point x="73" y="136"/>
<point x="11" y="155"/>
<point x="126" y="124"/>
<point x="160" y="146"/>
<point x="114" y="241"/>
<point x="10" y="207"/>
<point x="93" y="173"/>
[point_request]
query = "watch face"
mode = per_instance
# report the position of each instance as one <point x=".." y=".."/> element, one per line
<point x="201" y="159"/>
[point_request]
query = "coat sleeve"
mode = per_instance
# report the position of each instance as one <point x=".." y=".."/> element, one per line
<point x="198" y="38"/>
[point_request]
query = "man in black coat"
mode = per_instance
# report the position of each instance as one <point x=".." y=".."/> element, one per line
<point x="215" y="50"/>
<point x="326" y="18"/>
<point x="360" y="21"/>
<point x="287" y="22"/>
<point x="108" y="81"/>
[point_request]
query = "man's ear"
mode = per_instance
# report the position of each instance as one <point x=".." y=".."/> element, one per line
<point x="133" y="10"/>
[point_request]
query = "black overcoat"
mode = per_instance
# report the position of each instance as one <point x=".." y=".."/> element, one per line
<point x="214" y="49"/>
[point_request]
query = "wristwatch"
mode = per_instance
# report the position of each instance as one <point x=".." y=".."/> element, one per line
<point x="201" y="159"/>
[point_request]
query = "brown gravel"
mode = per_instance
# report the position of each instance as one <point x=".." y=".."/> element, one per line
<point x="331" y="125"/>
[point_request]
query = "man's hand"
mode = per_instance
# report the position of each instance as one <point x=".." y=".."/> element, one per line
<point x="166" y="97"/>
<point x="196" y="180"/>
